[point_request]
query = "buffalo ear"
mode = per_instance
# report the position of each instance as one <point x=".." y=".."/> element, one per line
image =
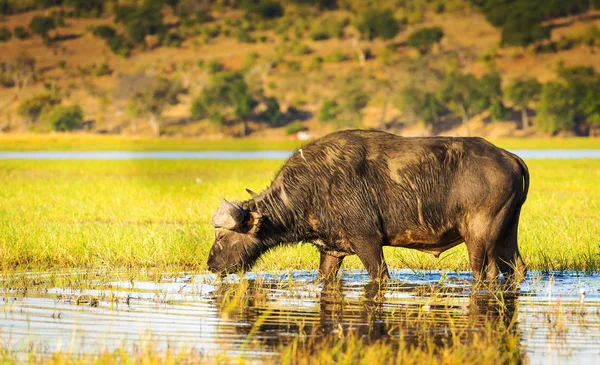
<point x="252" y="194"/>
<point x="255" y="221"/>
<point x="228" y="216"/>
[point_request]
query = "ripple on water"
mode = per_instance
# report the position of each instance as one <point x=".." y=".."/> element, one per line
<point x="558" y="314"/>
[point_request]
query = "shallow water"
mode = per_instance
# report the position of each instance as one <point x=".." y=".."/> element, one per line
<point x="237" y="155"/>
<point x="557" y="315"/>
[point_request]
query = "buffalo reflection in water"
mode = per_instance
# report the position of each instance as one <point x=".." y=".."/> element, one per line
<point x="272" y="316"/>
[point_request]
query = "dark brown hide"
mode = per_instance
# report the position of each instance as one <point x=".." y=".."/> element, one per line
<point x="353" y="192"/>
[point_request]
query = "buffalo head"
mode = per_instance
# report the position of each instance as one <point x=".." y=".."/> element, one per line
<point x="236" y="245"/>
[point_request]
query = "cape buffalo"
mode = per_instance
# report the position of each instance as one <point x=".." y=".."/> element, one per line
<point x="353" y="192"/>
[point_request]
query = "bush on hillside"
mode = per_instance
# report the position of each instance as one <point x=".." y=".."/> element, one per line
<point x="374" y="23"/>
<point x="63" y="118"/>
<point x="5" y="34"/>
<point x="266" y="9"/>
<point x="41" y="25"/>
<point x="21" y="32"/>
<point x="32" y="107"/>
<point x="424" y="39"/>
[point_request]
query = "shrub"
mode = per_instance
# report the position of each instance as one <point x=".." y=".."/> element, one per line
<point x="425" y="38"/>
<point x="63" y="118"/>
<point x="266" y="9"/>
<point x="295" y="127"/>
<point x="374" y="23"/>
<point x="272" y="115"/>
<point x="337" y="55"/>
<point x="105" y="32"/>
<point x="5" y="34"/>
<point x="32" y="108"/>
<point x="86" y="7"/>
<point x="498" y="111"/>
<point x="41" y="25"/>
<point x="172" y="39"/>
<point x="120" y="45"/>
<point x="21" y="32"/>
<point x="328" y="111"/>
<point x="214" y="66"/>
<point x="102" y="70"/>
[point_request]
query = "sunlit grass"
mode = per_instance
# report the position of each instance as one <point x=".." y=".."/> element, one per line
<point x="95" y="142"/>
<point x="156" y="214"/>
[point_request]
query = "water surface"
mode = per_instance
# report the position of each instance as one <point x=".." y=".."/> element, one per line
<point x="237" y="155"/>
<point x="557" y="315"/>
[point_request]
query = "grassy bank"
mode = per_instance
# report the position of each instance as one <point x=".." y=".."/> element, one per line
<point x="155" y="214"/>
<point x="94" y="142"/>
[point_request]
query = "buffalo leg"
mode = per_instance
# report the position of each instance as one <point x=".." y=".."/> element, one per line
<point x="371" y="255"/>
<point x="329" y="266"/>
<point x="509" y="259"/>
<point x="477" y="258"/>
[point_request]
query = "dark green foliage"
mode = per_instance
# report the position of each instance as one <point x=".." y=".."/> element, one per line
<point x="522" y="30"/>
<point x="295" y="127"/>
<point x="214" y="66"/>
<point x="491" y="86"/>
<point x="498" y="111"/>
<point x="227" y="97"/>
<point x="521" y="20"/>
<point x="266" y="9"/>
<point x="172" y="39"/>
<point x="272" y="115"/>
<point x="321" y="4"/>
<point x="21" y="32"/>
<point x="41" y="25"/>
<point x="145" y="19"/>
<point x="522" y="93"/>
<point x="557" y="108"/>
<point x="466" y="95"/>
<point x="63" y="118"/>
<point x="120" y="45"/>
<point x="86" y="7"/>
<point x="425" y="38"/>
<point x="105" y="32"/>
<point x="102" y="70"/>
<point x="373" y="23"/>
<point x="328" y="111"/>
<point x="570" y="102"/>
<point x="425" y="106"/>
<point x="5" y="34"/>
<point x="32" y="108"/>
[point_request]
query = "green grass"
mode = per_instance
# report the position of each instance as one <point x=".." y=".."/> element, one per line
<point x="155" y="214"/>
<point x="92" y="142"/>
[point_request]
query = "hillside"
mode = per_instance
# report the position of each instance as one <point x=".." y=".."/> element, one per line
<point x="281" y="59"/>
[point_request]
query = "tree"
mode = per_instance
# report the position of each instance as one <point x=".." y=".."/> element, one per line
<point x="142" y="20"/>
<point x="41" y="25"/>
<point x="272" y="114"/>
<point x="226" y="98"/>
<point x="22" y="70"/>
<point x="374" y="23"/>
<point x="570" y="102"/>
<point x="425" y="38"/>
<point x="86" y="7"/>
<point x="152" y="99"/>
<point x="422" y="105"/>
<point x="266" y="9"/>
<point x="63" y="118"/>
<point x="557" y="108"/>
<point x="522" y="93"/>
<point x="464" y="95"/>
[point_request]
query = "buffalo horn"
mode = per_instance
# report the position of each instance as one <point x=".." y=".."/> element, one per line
<point x="228" y="216"/>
